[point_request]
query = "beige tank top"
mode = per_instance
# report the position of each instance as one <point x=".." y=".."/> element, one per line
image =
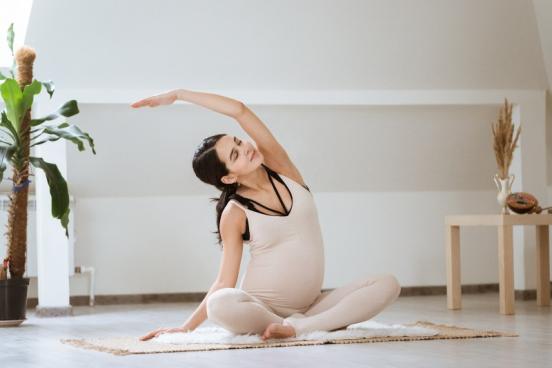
<point x="286" y="267"/>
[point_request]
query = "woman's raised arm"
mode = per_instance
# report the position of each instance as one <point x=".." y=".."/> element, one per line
<point x="275" y="155"/>
<point x="222" y="104"/>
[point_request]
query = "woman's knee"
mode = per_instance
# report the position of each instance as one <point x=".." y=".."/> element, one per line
<point x="393" y="285"/>
<point x="221" y="301"/>
<point x="226" y="308"/>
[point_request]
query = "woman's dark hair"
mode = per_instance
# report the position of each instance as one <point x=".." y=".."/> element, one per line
<point x="210" y="169"/>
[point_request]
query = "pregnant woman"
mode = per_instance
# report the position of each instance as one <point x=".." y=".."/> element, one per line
<point x="266" y="204"/>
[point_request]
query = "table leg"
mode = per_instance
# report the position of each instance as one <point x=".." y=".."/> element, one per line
<point x="454" y="295"/>
<point x="543" y="266"/>
<point x="506" y="269"/>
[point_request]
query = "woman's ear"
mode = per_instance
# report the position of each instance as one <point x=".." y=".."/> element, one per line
<point x="228" y="179"/>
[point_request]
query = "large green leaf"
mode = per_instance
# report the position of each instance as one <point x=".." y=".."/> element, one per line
<point x="13" y="98"/>
<point x="68" y="109"/>
<point x="71" y="133"/>
<point x="28" y="94"/>
<point x="48" y="139"/>
<point x="5" y="123"/>
<point x="58" y="190"/>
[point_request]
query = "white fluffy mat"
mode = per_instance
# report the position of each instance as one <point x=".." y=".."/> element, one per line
<point x="218" y="335"/>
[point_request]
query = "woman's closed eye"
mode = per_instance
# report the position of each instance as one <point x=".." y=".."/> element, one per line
<point x="237" y="152"/>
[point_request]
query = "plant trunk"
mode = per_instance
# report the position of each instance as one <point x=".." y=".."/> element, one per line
<point x="17" y="213"/>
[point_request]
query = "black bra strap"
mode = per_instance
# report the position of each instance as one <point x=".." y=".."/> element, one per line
<point x="262" y="205"/>
<point x="278" y="194"/>
<point x="248" y="201"/>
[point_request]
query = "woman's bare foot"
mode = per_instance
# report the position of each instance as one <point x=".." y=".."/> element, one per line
<point x="278" y="331"/>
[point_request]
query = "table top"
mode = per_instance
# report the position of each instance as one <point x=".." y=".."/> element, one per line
<point x="498" y="219"/>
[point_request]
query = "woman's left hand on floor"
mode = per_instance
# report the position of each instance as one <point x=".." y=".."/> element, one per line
<point x="162" y="330"/>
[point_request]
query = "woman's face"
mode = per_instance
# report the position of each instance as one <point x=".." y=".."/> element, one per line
<point x="240" y="157"/>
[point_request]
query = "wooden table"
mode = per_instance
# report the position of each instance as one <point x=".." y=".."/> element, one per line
<point x="504" y="224"/>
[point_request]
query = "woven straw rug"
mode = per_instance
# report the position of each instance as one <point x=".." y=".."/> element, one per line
<point x="217" y="338"/>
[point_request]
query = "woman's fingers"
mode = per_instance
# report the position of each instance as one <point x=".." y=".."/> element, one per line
<point x="144" y="102"/>
<point x="146" y="337"/>
<point x="162" y="99"/>
<point x="150" y="101"/>
<point x="153" y="334"/>
<point x="161" y="331"/>
<point x="138" y="104"/>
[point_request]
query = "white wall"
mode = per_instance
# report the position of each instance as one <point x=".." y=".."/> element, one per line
<point x="287" y="44"/>
<point x="144" y="220"/>
<point x="543" y="13"/>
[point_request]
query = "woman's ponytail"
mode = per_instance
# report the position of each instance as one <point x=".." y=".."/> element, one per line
<point x="210" y="169"/>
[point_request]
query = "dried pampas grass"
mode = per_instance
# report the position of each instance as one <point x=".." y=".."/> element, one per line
<point x="504" y="141"/>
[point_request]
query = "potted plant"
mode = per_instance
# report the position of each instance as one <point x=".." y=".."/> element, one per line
<point x="18" y="133"/>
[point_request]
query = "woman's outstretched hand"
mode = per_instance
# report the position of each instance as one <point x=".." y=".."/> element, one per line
<point x="162" y="99"/>
<point x="163" y="330"/>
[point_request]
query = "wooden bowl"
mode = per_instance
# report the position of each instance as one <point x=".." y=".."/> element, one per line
<point x="522" y="202"/>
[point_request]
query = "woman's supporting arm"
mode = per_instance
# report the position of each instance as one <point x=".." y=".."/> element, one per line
<point x="200" y="314"/>
<point x="197" y="317"/>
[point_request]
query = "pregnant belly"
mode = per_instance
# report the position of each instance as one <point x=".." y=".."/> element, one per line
<point x="286" y="285"/>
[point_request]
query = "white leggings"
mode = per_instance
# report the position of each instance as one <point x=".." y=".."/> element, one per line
<point x="240" y="312"/>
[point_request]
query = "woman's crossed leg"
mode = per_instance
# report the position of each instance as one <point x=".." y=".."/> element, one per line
<point x="240" y="312"/>
<point x="355" y="302"/>
<point x="360" y="300"/>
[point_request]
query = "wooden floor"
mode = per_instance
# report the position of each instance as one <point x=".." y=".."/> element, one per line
<point x="36" y="342"/>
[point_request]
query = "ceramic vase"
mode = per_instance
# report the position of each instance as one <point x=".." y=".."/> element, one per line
<point x="504" y="187"/>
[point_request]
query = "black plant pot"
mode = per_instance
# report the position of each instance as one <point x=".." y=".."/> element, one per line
<point x="13" y="301"/>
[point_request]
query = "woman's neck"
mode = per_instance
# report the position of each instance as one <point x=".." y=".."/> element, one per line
<point x="256" y="181"/>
